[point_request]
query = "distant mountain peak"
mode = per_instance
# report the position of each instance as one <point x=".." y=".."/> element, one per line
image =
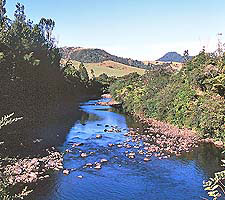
<point x="172" y="57"/>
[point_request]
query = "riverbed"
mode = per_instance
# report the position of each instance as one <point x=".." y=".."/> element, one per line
<point x="177" y="178"/>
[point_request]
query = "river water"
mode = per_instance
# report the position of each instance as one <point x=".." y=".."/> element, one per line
<point x="176" y="178"/>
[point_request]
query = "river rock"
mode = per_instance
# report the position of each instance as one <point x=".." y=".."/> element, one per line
<point x="83" y="155"/>
<point x="98" y="136"/>
<point x="146" y="159"/>
<point x="77" y="144"/>
<point x="131" y="155"/>
<point x="89" y="164"/>
<point x="141" y="152"/>
<point x="128" y="146"/>
<point x="218" y="143"/>
<point x="98" y="166"/>
<point x="103" y="160"/>
<point x="29" y="170"/>
<point x="106" y="96"/>
<point x="66" y="171"/>
<point x="68" y="151"/>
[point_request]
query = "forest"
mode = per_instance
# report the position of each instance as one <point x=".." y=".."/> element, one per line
<point x="32" y="77"/>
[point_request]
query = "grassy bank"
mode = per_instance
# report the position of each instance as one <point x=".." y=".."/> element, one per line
<point x="190" y="98"/>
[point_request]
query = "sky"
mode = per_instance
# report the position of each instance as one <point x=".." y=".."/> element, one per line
<point x="138" y="29"/>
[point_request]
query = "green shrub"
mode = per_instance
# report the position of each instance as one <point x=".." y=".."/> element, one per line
<point x="192" y="97"/>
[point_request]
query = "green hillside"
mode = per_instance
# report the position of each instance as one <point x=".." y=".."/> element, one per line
<point x="191" y="98"/>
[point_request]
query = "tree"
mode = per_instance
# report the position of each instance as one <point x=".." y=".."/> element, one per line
<point x="103" y="77"/>
<point x="2" y="11"/>
<point x="20" y="13"/>
<point x="83" y="73"/>
<point x="47" y="26"/>
<point x="93" y="74"/>
<point x="186" y="56"/>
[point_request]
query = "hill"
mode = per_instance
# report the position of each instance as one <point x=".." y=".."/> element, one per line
<point x="89" y="55"/>
<point x="110" y="68"/>
<point x="172" y="57"/>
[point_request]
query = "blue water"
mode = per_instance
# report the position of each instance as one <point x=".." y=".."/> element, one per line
<point x="123" y="178"/>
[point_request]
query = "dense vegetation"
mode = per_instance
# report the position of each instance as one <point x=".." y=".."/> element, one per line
<point x="31" y="75"/>
<point x="29" y="60"/>
<point x="192" y="97"/>
<point x="80" y="79"/>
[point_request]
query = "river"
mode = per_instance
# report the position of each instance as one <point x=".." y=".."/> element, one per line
<point x="175" y="178"/>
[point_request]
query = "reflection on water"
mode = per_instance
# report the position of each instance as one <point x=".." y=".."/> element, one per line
<point x="123" y="178"/>
<point x="33" y="138"/>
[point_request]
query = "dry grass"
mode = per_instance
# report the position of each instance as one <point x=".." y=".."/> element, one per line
<point x="111" y="68"/>
<point x="174" y="65"/>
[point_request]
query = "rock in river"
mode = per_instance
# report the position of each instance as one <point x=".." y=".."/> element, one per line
<point x="88" y="164"/>
<point x="98" y="166"/>
<point x="66" y="171"/>
<point x="83" y="155"/>
<point x="77" y="144"/>
<point x="131" y="155"/>
<point x="98" y="136"/>
<point x="103" y="160"/>
<point x="146" y="159"/>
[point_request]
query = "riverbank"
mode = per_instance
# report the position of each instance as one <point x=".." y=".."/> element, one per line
<point x="190" y="98"/>
<point x="189" y="136"/>
<point x="18" y="174"/>
<point x="177" y="140"/>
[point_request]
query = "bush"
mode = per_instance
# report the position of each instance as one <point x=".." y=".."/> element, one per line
<point x="192" y="97"/>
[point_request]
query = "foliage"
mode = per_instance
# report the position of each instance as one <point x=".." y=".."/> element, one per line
<point x="6" y="119"/>
<point x="32" y="78"/>
<point x="215" y="186"/>
<point x="79" y="78"/>
<point x="192" y="97"/>
<point x="5" y="194"/>
<point x="29" y="61"/>
<point x="186" y="56"/>
<point x="83" y="73"/>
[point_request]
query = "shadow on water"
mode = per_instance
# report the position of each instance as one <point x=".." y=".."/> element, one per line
<point x="27" y="138"/>
<point x="123" y="178"/>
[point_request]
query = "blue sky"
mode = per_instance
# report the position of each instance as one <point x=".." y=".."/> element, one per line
<point x="139" y="29"/>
